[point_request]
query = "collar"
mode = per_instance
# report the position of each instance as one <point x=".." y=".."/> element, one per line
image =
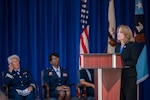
<point x="56" y="68"/>
<point x="17" y="70"/>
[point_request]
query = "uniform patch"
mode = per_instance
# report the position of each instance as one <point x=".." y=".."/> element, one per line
<point x="10" y="76"/>
<point x="24" y="73"/>
<point x="65" y="75"/>
<point x="50" y="73"/>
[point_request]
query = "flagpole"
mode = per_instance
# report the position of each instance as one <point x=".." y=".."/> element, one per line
<point x="138" y="92"/>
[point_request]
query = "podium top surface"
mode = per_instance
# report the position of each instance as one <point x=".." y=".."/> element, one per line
<point x="101" y="60"/>
<point x="86" y="54"/>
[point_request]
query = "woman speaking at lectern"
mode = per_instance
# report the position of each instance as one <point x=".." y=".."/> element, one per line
<point x="127" y="48"/>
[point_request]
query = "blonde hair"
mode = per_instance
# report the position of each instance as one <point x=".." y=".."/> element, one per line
<point x="127" y="33"/>
<point x="12" y="57"/>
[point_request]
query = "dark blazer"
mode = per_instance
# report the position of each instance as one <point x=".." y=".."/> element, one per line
<point x="129" y="56"/>
<point x="50" y="77"/>
<point x="15" y="81"/>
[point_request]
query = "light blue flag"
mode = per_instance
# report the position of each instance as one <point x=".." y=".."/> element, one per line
<point x="139" y="34"/>
<point x="142" y="66"/>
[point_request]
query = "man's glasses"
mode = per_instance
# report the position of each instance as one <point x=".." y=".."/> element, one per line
<point x="54" y="59"/>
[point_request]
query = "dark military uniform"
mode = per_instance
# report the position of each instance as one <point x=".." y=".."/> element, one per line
<point x="84" y="75"/>
<point x="51" y="78"/>
<point x="19" y="80"/>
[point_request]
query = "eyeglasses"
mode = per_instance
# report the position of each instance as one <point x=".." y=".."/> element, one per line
<point x="54" y="59"/>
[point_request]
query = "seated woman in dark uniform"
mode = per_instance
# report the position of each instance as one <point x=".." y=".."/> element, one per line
<point x="58" y="80"/>
<point x="87" y="80"/>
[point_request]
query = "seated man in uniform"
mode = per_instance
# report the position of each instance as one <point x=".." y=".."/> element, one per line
<point x="87" y="80"/>
<point x="20" y="82"/>
<point x="57" y="79"/>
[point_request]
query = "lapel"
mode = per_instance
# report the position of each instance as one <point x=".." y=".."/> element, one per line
<point x="20" y="71"/>
<point x="123" y="49"/>
<point x="54" y="73"/>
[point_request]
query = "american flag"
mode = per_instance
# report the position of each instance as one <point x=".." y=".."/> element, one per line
<point x="112" y="27"/>
<point x="84" y="47"/>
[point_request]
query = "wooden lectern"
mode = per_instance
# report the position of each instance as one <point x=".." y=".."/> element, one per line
<point x="107" y="74"/>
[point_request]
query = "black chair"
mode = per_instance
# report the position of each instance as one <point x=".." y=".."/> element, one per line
<point x="46" y="88"/>
<point x="5" y="89"/>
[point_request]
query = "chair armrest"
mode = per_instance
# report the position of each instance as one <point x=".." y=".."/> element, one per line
<point x="37" y="91"/>
<point x="82" y="91"/>
<point x="5" y="88"/>
<point x="46" y="86"/>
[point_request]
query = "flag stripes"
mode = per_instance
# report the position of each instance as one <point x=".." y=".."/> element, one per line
<point x="84" y="36"/>
<point x="84" y="41"/>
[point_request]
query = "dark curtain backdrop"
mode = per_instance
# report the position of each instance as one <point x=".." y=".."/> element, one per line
<point x="33" y="29"/>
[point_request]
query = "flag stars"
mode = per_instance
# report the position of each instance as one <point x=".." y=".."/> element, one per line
<point x="84" y="6"/>
<point x="87" y="17"/>
<point x="84" y="14"/>
<point x="83" y="21"/>
<point x="139" y="5"/>
<point x="83" y="10"/>
<point x="85" y="1"/>
<point x="82" y="26"/>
